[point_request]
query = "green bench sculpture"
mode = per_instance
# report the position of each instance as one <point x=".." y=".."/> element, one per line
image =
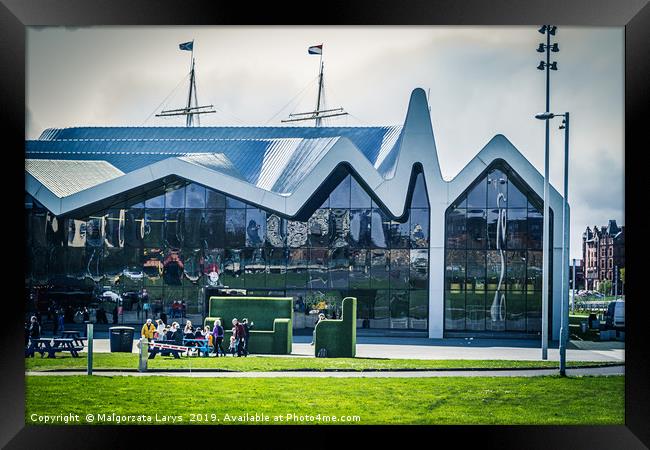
<point x="272" y="317"/>
<point x="338" y="337"/>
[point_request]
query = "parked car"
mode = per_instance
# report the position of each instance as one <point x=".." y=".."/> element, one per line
<point x="615" y="314"/>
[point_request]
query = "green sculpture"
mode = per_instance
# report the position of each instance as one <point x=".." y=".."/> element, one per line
<point x="338" y="337"/>
<point x="272" y="317"/>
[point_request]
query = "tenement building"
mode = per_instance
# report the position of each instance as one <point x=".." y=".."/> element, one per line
<point x="603" y="250"/>
<point x="315" y="213"/>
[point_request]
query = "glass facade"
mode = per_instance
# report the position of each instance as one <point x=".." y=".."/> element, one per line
<point x="493" y="257"/>
<point x="176" y="244"/>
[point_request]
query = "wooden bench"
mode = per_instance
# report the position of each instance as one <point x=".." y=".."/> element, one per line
<point x="165" y="348"/>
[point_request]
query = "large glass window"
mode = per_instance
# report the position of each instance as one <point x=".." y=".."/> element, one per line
<point x="493" y="257"/>
<point x="184" y="240"/>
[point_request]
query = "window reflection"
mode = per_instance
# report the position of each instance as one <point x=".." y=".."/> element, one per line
<point x="235" y="227"/>
<point x="178" y="243"/>
<point x="255" y="228"/>
<point x="340" y="226"/>
<point x="359" y="198"/>
<point x="254" y="260"/>
<point x="173" y="267"/>
<point x="339" y="264"/>
<point x="297" y="233"/>
<point x="276" y="231"/>
<point x="379" y="229"/>
<point x="493" y="290"/>
<point x="194" y="196"/>
<point x="360" y="228"/>
<point x="319" y="228"/>
<point x="420" y="198"/>
<point x="419" y="228"/>
<point x="379" y="268"/>
<point x="340" y="196"/>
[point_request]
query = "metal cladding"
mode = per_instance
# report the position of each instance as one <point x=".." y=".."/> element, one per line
<point x="277" y="168"/>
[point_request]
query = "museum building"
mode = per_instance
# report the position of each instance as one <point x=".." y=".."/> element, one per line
<point x="315" y="213"/>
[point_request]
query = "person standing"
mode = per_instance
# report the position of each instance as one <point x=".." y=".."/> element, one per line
<point x="217" y="334"/>
<point x="247" y="327"/>
<point x="148" y="329"/>
<point x="160" y="329"/>
<point x="34" y="328"/>
<point x="239" y="334"/>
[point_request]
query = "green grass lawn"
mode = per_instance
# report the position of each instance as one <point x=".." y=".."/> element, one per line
<point x="268" y="363"/>
<point x="482" y="400"/>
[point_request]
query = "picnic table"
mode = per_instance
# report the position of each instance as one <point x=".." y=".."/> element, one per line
<point x="75" y="335"/>
<point x="165" y="348"/>
<point x="201" y="345"/>
<point x="52" y="346"/>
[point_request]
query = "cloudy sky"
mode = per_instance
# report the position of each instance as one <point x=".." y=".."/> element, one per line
<point x="482" y="81"/>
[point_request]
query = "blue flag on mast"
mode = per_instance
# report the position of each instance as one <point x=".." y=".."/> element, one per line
<point x="189" y="46"/>
<point x="315" y="49"/>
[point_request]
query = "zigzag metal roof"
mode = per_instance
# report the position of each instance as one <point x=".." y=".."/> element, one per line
<point x="272" y="158"/>
<point x="276" y="168"/>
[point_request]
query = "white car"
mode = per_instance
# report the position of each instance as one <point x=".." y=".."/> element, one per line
<point x="111" y="296"/>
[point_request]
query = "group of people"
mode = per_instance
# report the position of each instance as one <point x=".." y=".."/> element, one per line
<point x="174" y="333"/>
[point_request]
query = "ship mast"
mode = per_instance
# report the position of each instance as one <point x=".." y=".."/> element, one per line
<point x="189" y="111"/>
<point x="318" y="115"/>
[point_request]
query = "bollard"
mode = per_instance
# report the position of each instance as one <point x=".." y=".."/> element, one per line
<point x="89" y="335"/>
<point x="144" y="354"/>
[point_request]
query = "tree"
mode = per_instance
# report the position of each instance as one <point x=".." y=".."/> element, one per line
<point x="622" y="276"/>
<point x="605" y="287"/>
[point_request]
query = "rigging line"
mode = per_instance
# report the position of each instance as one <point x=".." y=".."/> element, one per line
<point x="166" y="98"/>
<point x="292" y="100"/>
<point x="230" y="114"/>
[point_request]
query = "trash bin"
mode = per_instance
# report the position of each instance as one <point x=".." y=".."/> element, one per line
<point x="121" y="339"/>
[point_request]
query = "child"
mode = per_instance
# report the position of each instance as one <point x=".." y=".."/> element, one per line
<point x="208" y="333"/>
<point x="233" y="346"/>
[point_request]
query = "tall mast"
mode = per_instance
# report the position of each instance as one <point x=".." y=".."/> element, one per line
<point x="320" y="89"/>
<point x="189" y="111"/>
<point x="189" y="119"/>
<point x="317" y="115"/>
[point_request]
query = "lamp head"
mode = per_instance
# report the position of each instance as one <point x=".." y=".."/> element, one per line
<point x="553" y="65"/>
<point x="541" y="65"/>
<point x="542" y="30"/>
<point x="540" y="49"/>
<point x="555" y="48"/>
<point x="551" y="29"/>
<point x="544" y="116"/>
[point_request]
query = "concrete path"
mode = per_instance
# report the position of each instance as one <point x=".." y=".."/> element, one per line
<point x="599" y="371"/>
<point x="454" y="348"/>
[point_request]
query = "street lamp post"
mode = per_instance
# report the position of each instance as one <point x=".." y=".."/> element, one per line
<point x="548" y="30"/>
<point x="564" y="310"/>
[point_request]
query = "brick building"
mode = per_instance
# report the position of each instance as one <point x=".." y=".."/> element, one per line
<point x="603" y="252"/>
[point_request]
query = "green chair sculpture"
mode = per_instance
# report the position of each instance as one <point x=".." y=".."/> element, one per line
<point x="272" y="317"/>
<point x="338" y="337"/>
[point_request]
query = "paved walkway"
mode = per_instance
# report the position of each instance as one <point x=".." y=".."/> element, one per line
<point x="599" y="371"/>
<point x="454" y="348"/>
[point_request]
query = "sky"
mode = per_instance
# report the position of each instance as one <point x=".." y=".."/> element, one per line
<point x="481" y="81"/>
